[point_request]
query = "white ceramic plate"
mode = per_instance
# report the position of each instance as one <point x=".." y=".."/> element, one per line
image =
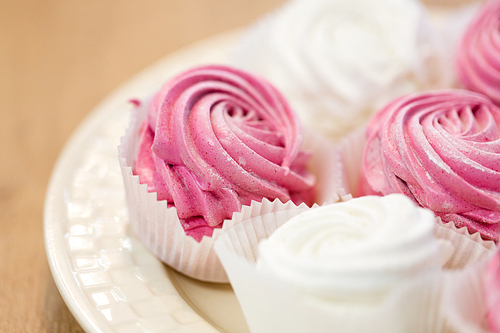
<point x="110" y="282"/>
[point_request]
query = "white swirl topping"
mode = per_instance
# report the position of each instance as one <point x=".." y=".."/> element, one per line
<point x="354" y="251"/>
<point x="338" y="60"/>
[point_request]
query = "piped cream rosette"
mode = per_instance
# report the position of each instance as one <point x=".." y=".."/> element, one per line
<point x="337" y="61"/>
<point x="370" y="264"/>
<point x="156" y="221"/>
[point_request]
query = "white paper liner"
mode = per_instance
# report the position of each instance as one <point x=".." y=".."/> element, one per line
<point x="270" y="305"/>
<point x="463" y="305"/>
<point x="159" y="228"/>
<point x="469" y="248"/>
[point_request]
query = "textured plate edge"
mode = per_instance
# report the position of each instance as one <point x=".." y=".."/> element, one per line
<point x="145" y="80"/>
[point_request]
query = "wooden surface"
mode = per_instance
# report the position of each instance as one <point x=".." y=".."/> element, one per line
<point x="58" y="59"/>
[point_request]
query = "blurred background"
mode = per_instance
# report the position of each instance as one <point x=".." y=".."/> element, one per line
<point x="58" y="59"/>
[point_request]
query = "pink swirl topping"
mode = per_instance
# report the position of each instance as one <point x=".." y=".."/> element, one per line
<point x="478" y="57"/>
<point x="442" y="149"/>
<point x="492" y="293"/>
<point x="217" y="138"/>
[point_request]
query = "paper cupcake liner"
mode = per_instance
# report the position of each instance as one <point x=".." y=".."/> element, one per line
<point x="270" y="305"/>
<point x="463" y="307"/>
<point x="159" y="228"/>
<point x="468" y="248"/>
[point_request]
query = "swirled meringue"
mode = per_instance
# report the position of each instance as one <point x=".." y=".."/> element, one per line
<point x="337" y="61"/>
<point x="442" y="149"/>
<point x="217" y="138"/>
<point x="492" y="293"/>
<point x="354" y="251"/>
<point x="478" y="57"/>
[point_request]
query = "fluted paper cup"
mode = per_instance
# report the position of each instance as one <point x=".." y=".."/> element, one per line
<point x="464" y="307"/>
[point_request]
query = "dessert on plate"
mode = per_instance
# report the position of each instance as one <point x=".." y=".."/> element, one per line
<point x="370" y="264"/>
<point x="217" y="138"/>
<point x="337" y="61"/>
<point x="213" y="141"/>
<point x="441" y="149"/>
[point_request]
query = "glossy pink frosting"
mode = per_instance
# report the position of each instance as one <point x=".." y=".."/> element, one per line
<point x="478" y="56"/>
<point x="492" y="293"/>
<point x="442" y="149"/>
<point x="217" y="138"/>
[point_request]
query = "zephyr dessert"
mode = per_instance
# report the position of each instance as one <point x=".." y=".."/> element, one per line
<point x="370" y="264"/>
<point x="337" y="61"/>
<point x="442" y="150"/>
<point x="213" y="141"/>
<point x="478" y="57"/>
<point x="217" y="138"/>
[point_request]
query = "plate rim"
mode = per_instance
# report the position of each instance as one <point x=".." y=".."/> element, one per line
<point x="214" y="48"/>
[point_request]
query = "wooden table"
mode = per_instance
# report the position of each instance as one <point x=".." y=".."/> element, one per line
<point x="58" y="59"/>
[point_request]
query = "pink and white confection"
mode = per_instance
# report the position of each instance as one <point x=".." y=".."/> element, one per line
<point x="441" y="149"/>
<point x="478" y="56"/>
